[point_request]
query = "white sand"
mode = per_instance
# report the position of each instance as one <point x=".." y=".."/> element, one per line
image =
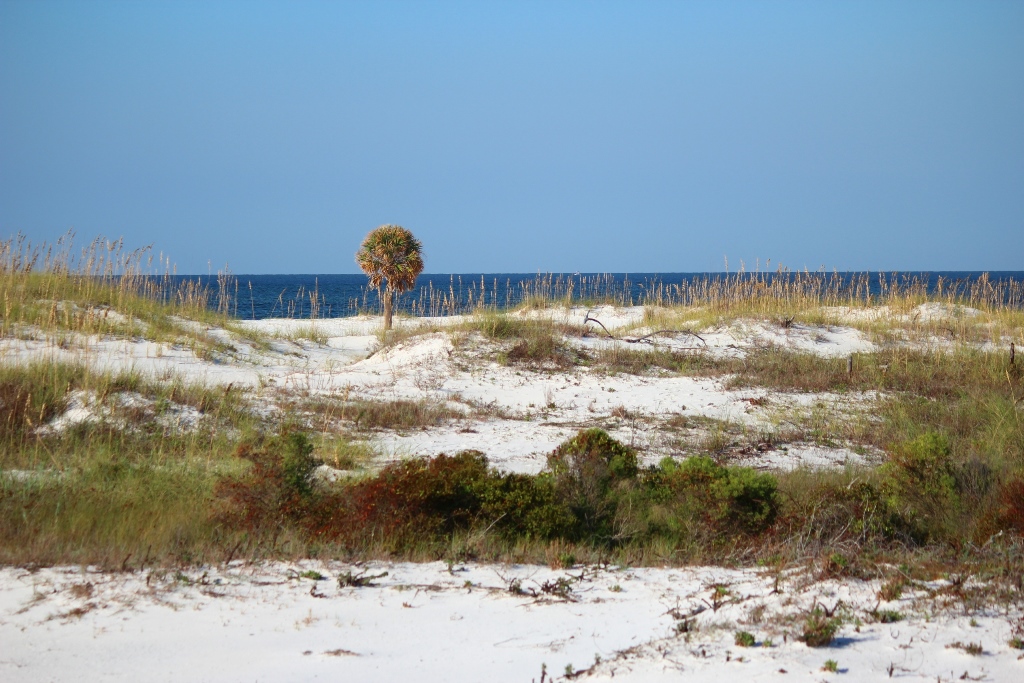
<point x="422" y="623"/>
<point x="519" y="414"/>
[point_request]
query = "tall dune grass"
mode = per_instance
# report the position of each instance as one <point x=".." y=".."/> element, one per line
<point x="101" y="288"/>
<point x="757" y="292"/>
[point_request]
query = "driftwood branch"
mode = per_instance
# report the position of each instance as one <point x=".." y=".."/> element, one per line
<point x="588" y="319"/>
<point x="637" y="340"/>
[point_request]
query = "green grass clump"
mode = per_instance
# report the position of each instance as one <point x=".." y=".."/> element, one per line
<point x="107" y="513"/>
<point x="32" y="395"/>
<point x="819" y="628"/>
<point x="121" y="486"/>
<point x="535" y="343"/>
<point x="500" y="326"/>
<point x="887" y="616"/>
<point x="396" y="414"/>
<point x="744" y="639"/>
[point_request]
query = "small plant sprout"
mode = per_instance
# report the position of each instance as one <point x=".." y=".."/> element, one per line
<point x="745" y="639"/>
<point x="891" y="616"/>
<point x="819" y="627"/>
<point x="831" y="665"/>
<point x="973" y="649"/>
<point x="719" y="594"/>
<point x="892" y="589"/>
<point x="684" y="626"/>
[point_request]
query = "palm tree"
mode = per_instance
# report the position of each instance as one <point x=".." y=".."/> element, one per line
<point x="390" y="255"/>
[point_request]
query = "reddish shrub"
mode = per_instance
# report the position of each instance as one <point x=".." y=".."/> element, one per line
<point x="414" y="498"/>
<point x="1011" y="506"/>
<point x="276" y="489"/>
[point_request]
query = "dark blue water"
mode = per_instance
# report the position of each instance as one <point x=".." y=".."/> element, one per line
<point x="328" y="296"/>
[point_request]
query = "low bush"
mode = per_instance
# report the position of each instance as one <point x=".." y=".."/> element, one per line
<point x="929" y="489"/>
<point x="277" y="489"/>
<point x="419" y="501"/>
<point x="527" y="507"/>
<point x="1011" y="506"/>
<point x="591" y="493"/>
<point x="414" y="499"/>
<point x="730" y="499"/>
<point x="593" y="499"/>
<point x="590" y="472"/>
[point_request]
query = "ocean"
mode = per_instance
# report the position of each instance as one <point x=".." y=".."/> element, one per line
<point x="340" y="295"/>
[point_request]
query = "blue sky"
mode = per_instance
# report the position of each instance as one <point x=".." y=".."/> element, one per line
<point x="521" y="136"/>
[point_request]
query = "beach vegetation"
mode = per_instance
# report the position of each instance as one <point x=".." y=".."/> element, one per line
<point x="744" y="639"/>
<point x="128" y="469"/>
<point x="819" y="627"/>
<point x="392" y="258"/>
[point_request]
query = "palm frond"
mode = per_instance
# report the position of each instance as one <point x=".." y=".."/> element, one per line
<point x="392" y="256"/>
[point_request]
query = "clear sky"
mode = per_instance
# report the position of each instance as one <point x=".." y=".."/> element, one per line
<point x="521" y="136"/>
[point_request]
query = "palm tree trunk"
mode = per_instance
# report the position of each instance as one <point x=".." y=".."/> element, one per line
<point x="389" y="296"/>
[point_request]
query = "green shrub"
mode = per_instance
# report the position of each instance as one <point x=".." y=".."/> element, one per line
<point x="728" y="498"/>
<point x="589" y="472"/>
<point x="591" y="447"/>
<point x="297" y="463"/>
<point x="428" y="500"/>
<point x="919" y="483"/>
<point x="823" y="509"/>
<point x="525" y="506"/>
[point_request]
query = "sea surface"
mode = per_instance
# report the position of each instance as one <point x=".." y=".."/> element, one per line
<point x="340" y="295"/>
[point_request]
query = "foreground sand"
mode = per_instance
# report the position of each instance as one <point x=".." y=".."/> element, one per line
<point x="432" y="622"/>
